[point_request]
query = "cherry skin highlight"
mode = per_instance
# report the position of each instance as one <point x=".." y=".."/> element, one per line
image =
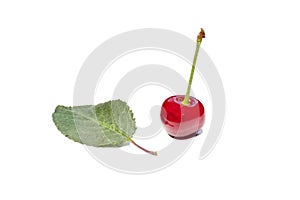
<point x="182" y="121"/>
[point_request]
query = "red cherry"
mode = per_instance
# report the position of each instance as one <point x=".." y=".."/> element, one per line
<point x="181" y="121"/>
<point x="183" y="116"/>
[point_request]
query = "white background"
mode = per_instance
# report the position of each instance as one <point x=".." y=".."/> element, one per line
<point x="255" y="46"/>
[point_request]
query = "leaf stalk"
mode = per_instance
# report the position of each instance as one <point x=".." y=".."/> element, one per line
<point x="142" y="148"/>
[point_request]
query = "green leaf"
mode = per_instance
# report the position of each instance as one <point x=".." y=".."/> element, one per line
<point x="107" y="124"/>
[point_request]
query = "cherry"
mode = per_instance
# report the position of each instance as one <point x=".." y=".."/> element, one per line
<point x="180" y="121"/>
<point x="182" y="115"/>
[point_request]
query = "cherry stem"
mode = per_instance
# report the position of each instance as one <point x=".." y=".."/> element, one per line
<point x="200" y="36"/>
<point x="147" y="151"/>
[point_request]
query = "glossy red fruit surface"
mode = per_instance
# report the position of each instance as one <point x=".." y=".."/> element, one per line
<point x="181" y="121"/>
